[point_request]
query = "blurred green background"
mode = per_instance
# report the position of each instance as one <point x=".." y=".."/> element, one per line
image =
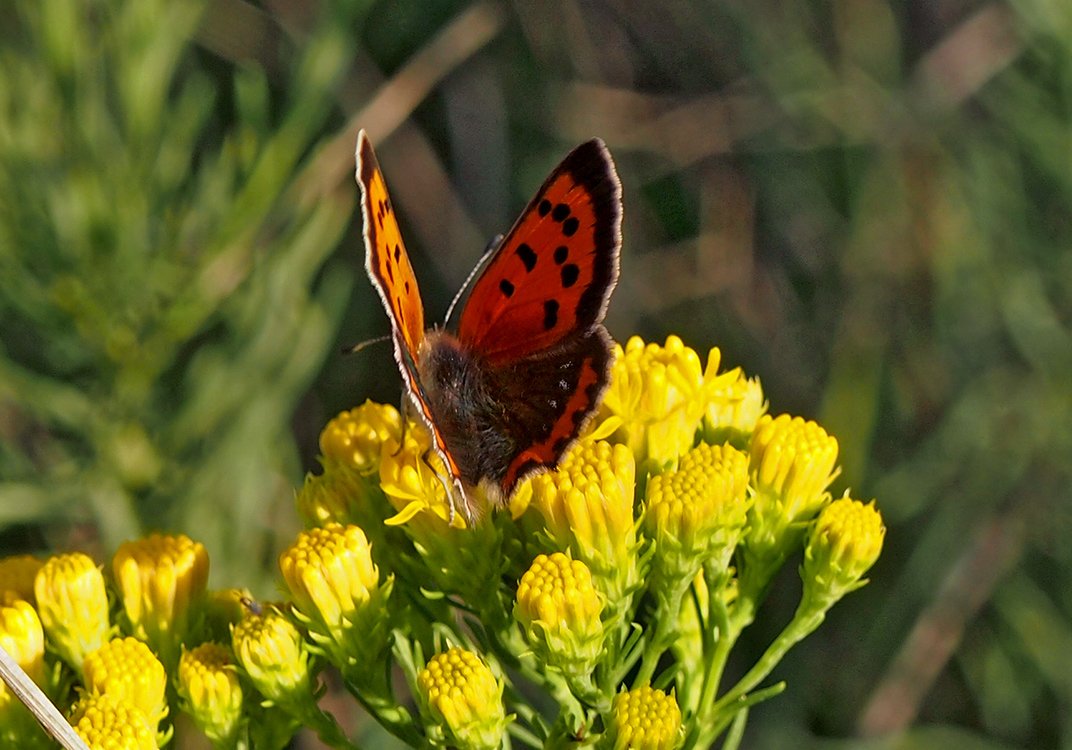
<point x="867" y="204"/>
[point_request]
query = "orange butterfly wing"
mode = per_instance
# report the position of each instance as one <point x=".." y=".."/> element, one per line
<point x="387" y="263"/>
<point x="553" y="273"/>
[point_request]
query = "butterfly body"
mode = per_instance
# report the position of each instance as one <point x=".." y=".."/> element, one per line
<point x="507" y="393"/>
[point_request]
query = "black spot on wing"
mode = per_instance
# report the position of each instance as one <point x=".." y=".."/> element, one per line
<point x="527" y="255"/>
<point x="570" y="226"/>
<point x="550" y="314"/>
<point x="570" y="274"/>
<point x="561" y="254"/>
<point x="544" y="208"/>
<point x="560" y="212"/>
<point x="506" y="288"/>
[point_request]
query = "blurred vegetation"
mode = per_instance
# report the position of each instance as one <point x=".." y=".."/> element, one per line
<point x="865" y="203"/>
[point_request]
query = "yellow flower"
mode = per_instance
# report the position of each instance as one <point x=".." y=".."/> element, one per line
<point x="658" y="393"/>
<point x="645" y="719"/>
<point x="17" y="574"/>
<point x="793" y="462"/>
<point x="355" y="438"/>
<point x="462" y="700"/>
<point x="336" y="587"/>
<point x="125" y="669"/>
<point x="696" y="514"/>
<point x="559" y="611"/>
<point x="22" y="637"/>
<point x="211" y="693"/>
<point x="73" y="605"/>
<point x="843" y="543"/>
<point x="271" y="651"/>
<point x="160" y="579"/>
<point x="105" y="723"/>
<point x="416" y="484"/>
<point x="336" y="496"/>
<point x="734" y="405"/>
<point x="587" y="508"/>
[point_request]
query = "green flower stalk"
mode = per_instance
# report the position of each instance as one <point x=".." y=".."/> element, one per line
<point x="107" y="723"/>
<point x="161" y="579"/>
<point x="559" y="610"/>
<point x="124" y="669"/>
<point x="461" y="702"/>
<point x="210" y="692"/>
<point x="336" y="588"/>
<point x="73" y="605"/>
<point x="644" y="719"/>
<point x="586" y="506"/>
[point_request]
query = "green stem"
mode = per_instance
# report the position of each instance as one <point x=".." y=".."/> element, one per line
<point x="666" y="627"/>
<point x="802" y="625"/>
<point x="327" y="729"/>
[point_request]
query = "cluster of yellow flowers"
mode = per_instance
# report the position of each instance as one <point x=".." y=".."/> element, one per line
<point x="617" y="584"/>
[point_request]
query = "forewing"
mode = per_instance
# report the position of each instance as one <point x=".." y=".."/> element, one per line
<point x="553" y="273"/>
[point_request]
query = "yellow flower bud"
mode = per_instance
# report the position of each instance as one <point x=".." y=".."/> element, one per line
<point x="73" y="605"/>
<point x="645" y="719"/>
<point x="843" y="543"/>
<point x="336" y="496"/>
<point x="160" y="579"/>
<point x="17" y="574"/>
<point x="658" y="393"/>
<point x="355" y="438"/>
<point x="126" y="670"/>
<point x="559" y="610"/>
<point x="106" y="723"/>
<point x="587" y="508"/>
<point x="22" y="637"/>
<point x="793" y="462"/>
<point x="210" y="691"/>
<point x="335" y="584"/>
<point x="734" y="405"/>
<point x="696" y="514"/>
<point x="271" y="651"/>
<point x="462" y="700"/>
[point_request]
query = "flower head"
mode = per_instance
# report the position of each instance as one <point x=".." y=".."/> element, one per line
<point x="335" y="585"/>
<point x="415" y="481"/>
<point x="658" y="393"/>
<point x="107" y="723"/>
<point x="843" y="544"/>
<point x="17" y="574"/>
<point x="73" y="605"/>
<point x="587" y="508"/>
<point x="559" y="610"/>
<point x="355" y="438"/>
<point x="734" y="405"/>
<point x="696" y="514"/>
<point x="339" y="495"/>
<point x="125" y="669"/>
<point x="22" y="637"/>
<point x="271" y="651"/>
<point x="160" y="578"/>
<point x="645" y="719"/>
<point x="210" y="691"/>
<point x="462" y="701"/>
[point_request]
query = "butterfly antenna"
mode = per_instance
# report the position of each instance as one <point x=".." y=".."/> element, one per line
<point x="363" y="344"/>
<point x="488" y="252"/>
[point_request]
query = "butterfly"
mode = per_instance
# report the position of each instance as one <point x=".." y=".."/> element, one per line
<point x="507" y="393"/>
